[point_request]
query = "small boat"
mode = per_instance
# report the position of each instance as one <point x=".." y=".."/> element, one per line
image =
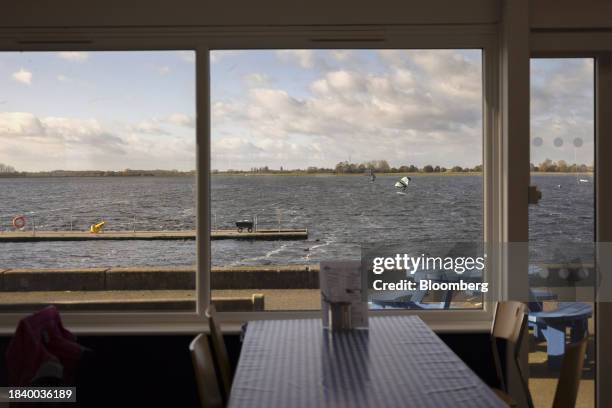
<point x="583" y="180"/>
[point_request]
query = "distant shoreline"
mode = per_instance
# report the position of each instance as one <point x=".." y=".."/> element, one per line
<point x="95" y="173"/>
<point x="284" y="174"/>
<point x="301" y="174"/>
<point x="398" y="174"/>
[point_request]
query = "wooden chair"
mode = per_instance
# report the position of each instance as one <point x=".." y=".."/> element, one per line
<point x="220" y="352"/>
<point x="509" y="324"/>
<point x="206" y="377"/>
<point x="569" y="377"/>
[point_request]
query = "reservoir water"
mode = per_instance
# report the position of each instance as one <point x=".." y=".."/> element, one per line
<point x="340" y="212"/>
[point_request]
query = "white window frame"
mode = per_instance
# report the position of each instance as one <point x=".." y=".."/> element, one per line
<point x="202" y="41"/>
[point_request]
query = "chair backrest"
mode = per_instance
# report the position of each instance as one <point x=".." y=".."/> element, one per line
<point x="508" y="320"/>
<point x="204" y="368"/>
<point x="569" y="377"/>
<point x="509" y="324"/>
<point x="220" y="352"/>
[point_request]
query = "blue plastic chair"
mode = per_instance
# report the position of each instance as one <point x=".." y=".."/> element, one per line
<point x="551" y="326"/>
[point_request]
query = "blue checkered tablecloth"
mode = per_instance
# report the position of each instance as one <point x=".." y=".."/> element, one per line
<point x="398" y="362"/>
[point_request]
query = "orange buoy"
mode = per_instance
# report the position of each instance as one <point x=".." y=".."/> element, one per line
<point x="19" y="222"/>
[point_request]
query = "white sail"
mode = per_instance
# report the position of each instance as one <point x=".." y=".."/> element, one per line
<point x="403" y="182"/>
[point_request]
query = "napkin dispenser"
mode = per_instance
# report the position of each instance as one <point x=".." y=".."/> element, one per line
<point x="342" y="305"/>
<point x="340" y="316"/>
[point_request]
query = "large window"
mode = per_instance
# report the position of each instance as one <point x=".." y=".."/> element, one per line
<point x="562" y="225"/>
<point x="97" y="179"/>
<point x="316" y="153"/>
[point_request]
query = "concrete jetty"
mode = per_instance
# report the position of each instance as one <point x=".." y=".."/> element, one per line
<point x="260" y="234"/>
<point x="158" y="288"/>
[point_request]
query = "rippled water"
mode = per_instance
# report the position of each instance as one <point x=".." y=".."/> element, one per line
<point x="340" y="213"/>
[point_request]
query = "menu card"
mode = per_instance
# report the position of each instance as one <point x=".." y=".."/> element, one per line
<point x="342" y="305"/>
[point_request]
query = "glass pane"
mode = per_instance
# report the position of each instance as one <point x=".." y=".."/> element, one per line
<point x="561" y="225"/>
<point x="308" y="152"/>
<point x="97" y="180"/>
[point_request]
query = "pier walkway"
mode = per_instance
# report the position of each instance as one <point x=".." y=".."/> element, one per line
<point x="40" y="236"/>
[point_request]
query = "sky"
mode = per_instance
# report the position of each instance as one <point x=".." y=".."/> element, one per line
<point x="299" y="108"/>
<point x="97" y="110"/>
<point x="562" y="110"/>
<point x="289" y="108"/>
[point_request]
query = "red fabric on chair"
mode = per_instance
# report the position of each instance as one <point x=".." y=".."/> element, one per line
<point x="41" y="338"/>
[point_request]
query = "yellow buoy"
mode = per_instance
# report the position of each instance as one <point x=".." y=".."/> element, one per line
<point x="95" y="228"/>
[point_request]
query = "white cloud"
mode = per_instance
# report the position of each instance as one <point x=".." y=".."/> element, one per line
<point x="23" y="76"/>
<point x="75" y="56"/>
<point x="181" y="119"/>
<point x="54" y="135"/>
<point x="36" y="143"/>
<point x="19" y="123"/>
<point x="149" y="127"/>
<point x="346" y="81"/>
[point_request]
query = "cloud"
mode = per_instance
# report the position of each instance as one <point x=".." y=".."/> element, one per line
<point x="19" y="123"/>
<point x="23" y="76"/>
<point x="410" y="107"/>
<point x="231" y="151"/>
<point x="29" y="142"/>
<point x="74" y="56"/>
<point x="148" y="127"/>
<point x="54" y="134"/>
<point x="181" y="119"/>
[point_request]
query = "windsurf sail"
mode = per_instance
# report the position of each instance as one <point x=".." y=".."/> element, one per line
<point x="372" y="175"/>
<point x="403" y="182"/>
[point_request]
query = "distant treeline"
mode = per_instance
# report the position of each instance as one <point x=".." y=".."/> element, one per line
<point x="382" y="166"/>
<point x="345" y="167"/>
<point x="561" y="166"/>
<point x="97" y="173"/>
